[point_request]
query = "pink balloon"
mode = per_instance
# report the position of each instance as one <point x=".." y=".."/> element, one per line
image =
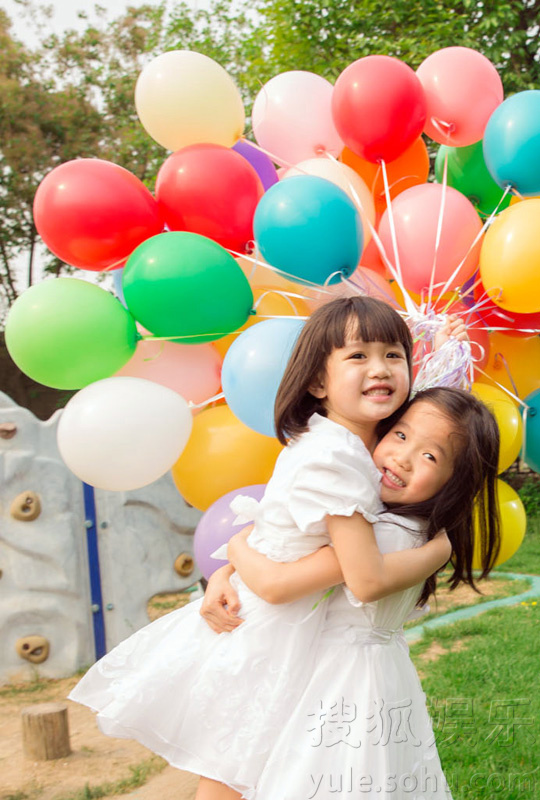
<point x="292" y="117"/>
<point x="194" y="371"/>
<point x="462" y="89"/>
<point x="416" y="214"/>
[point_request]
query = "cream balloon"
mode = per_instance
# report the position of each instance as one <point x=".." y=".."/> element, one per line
<point x="123" y="433"/>
<point x="184" y="98"/>
<point x="347" y="179"/>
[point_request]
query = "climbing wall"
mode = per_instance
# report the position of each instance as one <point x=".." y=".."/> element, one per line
<point x="48" y="610"/>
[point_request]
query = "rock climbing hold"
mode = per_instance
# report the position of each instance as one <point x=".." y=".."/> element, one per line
<point x="33" y="648"/>
<point x="26" y="507"/>
<point x="184" y="565"/>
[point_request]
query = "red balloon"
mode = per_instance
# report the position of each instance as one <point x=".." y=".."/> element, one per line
<point x="210" y="190"/>
<point x="496" y="317"/>
<point x="379" y="107"/>
<point x="92" y="213"/>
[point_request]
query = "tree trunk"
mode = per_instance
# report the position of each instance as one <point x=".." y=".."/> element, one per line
<point x="45" y="731"/>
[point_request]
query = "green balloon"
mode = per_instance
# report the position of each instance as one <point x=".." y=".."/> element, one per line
<point x="467" y="172"/>
<point x="186" y="287"/>
<point x="67" y="333"/>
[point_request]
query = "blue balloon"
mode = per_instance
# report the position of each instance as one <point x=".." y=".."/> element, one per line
<point x="252" y="370"/>
<point x="531" y="432"/>
<point x="512" y="143"/>
<point x="309" y="228"/>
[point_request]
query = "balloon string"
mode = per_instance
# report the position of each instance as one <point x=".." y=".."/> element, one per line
<point x="477" y="238"/>
<point x="391" y="217"/>
<point x="286" y="296"/>
<point x="276" y="159"/>
<point x="439" y="227"/>
<point x="503" y="388"/>
<point x="213" y="399"/>
<point x="409" y="304"/>
<point x="362" y="278"/>
<point x="278" y="271"/>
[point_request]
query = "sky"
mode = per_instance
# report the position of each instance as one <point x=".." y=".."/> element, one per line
<point x="65" y="13"/>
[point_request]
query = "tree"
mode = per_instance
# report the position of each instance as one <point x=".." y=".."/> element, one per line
<point x="324" y="36"/>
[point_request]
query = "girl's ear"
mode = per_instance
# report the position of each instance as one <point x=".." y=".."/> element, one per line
<point x="316" y="388"/>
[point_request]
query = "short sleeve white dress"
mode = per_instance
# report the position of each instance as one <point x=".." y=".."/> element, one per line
<point x="361" y="726"/>
<point x="214" y="704"/>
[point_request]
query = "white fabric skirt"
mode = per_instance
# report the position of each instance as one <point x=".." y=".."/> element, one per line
<point x="208" y="703"/>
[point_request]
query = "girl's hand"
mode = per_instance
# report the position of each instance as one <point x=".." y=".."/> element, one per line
<point x="221" y="605"/>
<point x="454" y="328"/>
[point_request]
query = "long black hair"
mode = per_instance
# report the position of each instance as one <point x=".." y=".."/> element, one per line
<point x="466" y="506"/>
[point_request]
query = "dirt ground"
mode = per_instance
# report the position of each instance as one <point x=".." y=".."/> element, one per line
<point x="97" y="759"/>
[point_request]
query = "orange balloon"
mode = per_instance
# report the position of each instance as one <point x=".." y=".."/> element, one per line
<point x="222" y="454"/>
<point x="521" y="356"/>
<point x="410" y="169"/>
<point x="268" y="303"/>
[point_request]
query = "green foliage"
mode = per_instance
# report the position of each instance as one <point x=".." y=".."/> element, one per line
<point x="530" y="497"/>
<point x="324" y="36"/>
<point x="140" y="774"/>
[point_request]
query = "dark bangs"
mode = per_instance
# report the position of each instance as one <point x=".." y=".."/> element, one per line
<point x="326" y="330"/>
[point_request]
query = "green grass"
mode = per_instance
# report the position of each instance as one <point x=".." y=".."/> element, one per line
<point x="473" y="693"/>
<point x="140" y="773"/>
<point x="527" y="558"/>
<point x="506" y="588"/>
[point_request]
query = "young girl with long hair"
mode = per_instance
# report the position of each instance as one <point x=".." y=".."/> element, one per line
<point x="361" y="725"/>
<point x="180" y="689"/>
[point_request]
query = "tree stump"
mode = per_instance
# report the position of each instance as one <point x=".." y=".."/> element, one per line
<point x="45" y="731"/>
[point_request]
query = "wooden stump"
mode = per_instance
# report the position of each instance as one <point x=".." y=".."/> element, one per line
<point x="45" y="731"/>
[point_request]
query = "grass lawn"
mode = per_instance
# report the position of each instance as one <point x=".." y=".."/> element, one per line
<point x="482" y="680"/>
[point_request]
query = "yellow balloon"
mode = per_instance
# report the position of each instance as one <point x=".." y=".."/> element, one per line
<point x="513" y="524"/>
<point x="222" y="454"/>
<point x="522" y="356"/>
<point x="183" y="97"/>
<point x="268" y="303"/>
<point x="508" y="419"/>
<point x="515" y="199"/>
<point x="510" y="258"/>
<point x="347" y="179"/>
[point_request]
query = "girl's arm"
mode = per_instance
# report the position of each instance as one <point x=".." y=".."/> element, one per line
<point x="371" y="575"/>
<point x="281" y="583"/>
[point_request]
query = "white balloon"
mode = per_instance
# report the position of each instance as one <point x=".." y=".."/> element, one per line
<point x="123" y="433"/>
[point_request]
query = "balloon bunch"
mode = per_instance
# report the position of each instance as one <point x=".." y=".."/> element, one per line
<point x="217" y="270"/>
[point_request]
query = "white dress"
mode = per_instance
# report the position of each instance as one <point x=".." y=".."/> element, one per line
<point x="361" y="727"/>
<point x="212" y="703"/>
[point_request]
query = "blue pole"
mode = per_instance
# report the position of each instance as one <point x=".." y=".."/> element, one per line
<point x="93" y="567"/>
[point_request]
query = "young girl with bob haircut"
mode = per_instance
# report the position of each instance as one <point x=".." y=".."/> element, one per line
<point x="180" y="689"/>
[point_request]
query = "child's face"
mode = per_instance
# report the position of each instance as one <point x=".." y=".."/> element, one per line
<point x="416" y="457"/>
<point x="363" y="383"/>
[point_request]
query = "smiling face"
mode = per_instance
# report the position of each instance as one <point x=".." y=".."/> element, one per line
<point x="363" y="383"/>
<point x="417" y="456"/>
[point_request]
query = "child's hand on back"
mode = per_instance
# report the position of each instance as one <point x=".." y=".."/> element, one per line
<point x="221" y="605"/>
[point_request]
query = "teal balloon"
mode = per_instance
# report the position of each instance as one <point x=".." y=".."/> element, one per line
<point x="531" y="432"/>
<point x="467" y="172"/>
<point x="512" y="143"/>
<point x="253" y="368"/>
<point x="186" y="287"/>
<point x="67" y="333"/>
<point x="310" y="229"/>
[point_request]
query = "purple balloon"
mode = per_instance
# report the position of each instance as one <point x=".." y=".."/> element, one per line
<point x="216" y="527"/>
<point x="259" y="161"/>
